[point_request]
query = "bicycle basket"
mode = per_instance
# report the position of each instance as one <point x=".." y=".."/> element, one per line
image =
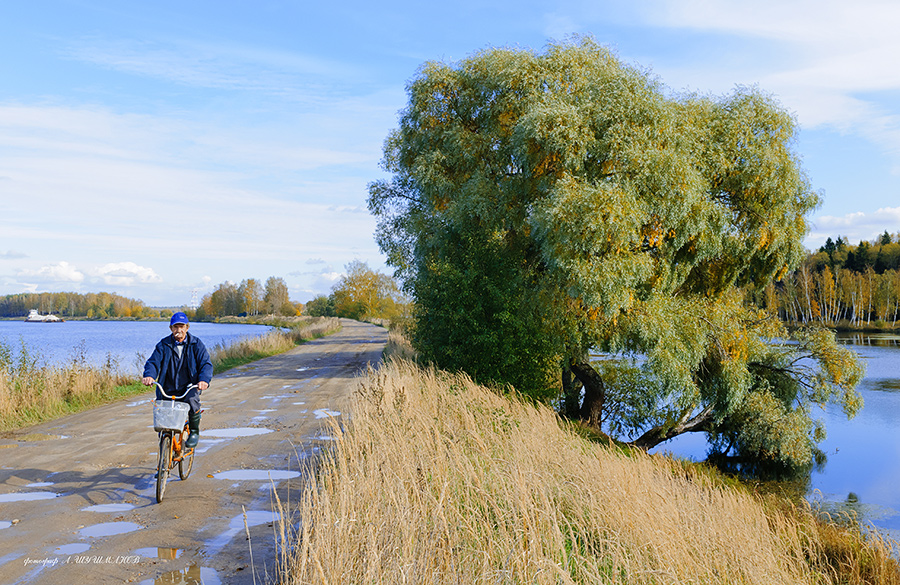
<point x="168" y="414"/>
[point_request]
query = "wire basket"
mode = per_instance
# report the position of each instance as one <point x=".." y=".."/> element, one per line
<point x="168" y="414"/>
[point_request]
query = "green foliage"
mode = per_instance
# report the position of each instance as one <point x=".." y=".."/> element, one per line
<point x="542" y="205"/>
<point x="248" y="298"/>
<point x="364" y="293"/>
<point x="498" y="334"/>
<point x="321" y="306"/>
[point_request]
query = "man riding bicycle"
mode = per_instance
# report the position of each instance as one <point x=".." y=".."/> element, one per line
<point x="181" y="359"/>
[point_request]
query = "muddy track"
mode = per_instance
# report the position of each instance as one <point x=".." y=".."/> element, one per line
<point x="77" y="495"/>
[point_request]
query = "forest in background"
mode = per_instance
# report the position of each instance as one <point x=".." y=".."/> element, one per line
<point x="101" y="305"/>
<point x="841" y="285"/>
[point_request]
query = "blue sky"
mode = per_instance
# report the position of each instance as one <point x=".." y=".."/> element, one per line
<point x="155" y="149"/>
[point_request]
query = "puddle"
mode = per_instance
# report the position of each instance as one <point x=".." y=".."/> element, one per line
<point x="206" y="443"/>
<point x="76" y="548"/>
<point x="237" y="432"/>
<point x="256" y="474"/>
<point x="267" y="410"/>
<point x="192" y="575"/>
<point x="236" y="526"/>
<point x="299" y="403"/>
<point x="40" y="484"/>
<point x="5" y="524"/>
<point x="27" y="497"/>
<point x="110" y="529"/>
<point x="109" y="508"/>
<point x="302" y="369"/>
<point x="160" y="553"/>
<point x="325" y="413"/>
<point x="9" y="557"/>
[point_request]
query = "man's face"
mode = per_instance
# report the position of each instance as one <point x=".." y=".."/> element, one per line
<point x="179" y="330"/>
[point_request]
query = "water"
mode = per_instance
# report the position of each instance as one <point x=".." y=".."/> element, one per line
<point x="109" y="529"/>
<point x="862" y="472"/>
<point x="256" y="474"/>
<point x="128" y="343"/>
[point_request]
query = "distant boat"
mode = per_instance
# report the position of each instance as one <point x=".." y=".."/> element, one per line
<point x="35" y="317"/>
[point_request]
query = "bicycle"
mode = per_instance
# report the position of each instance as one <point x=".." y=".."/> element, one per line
<point x="170" y="421"/>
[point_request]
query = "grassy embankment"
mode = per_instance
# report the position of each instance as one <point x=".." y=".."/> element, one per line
<point x="31" y="392"/>
<point x="433" y="479"/>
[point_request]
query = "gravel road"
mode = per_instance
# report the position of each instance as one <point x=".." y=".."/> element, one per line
<point x="77" y="495"/>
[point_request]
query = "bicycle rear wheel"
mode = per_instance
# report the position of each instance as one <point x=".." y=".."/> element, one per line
<point x="164" y="464"/>
<point x="187" y="457"/>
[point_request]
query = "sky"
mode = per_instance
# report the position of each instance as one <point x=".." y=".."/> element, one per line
<point x="158" y="149"/>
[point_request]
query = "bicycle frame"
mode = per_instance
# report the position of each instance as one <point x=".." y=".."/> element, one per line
<point x="171" y="450"/>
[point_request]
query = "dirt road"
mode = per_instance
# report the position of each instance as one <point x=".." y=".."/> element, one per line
<point x="77" y="495"/>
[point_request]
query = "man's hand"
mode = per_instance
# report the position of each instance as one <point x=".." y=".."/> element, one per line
<point x="203" y="385"/>
<point x="148" y="381"/>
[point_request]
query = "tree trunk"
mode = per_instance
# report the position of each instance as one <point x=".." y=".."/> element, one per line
<point x="571" y="407"/>
<point x="594" y="392"/>
<point x="662" y="433"/>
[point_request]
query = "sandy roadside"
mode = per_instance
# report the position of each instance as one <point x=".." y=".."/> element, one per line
<point x="77" y="495"/>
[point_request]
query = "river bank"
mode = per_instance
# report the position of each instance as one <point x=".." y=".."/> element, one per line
<point x="439" y="480"/>
<point x="32" y="391"/>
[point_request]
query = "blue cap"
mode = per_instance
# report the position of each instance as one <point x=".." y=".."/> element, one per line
<point x="178" y="317"/>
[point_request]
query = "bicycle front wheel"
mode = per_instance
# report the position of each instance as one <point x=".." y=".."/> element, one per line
<point x="187" y="458"/>
<point x="164" y="464"/>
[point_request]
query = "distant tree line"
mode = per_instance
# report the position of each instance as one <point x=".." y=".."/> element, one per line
<point x="70" y="304"/>
<point x="248" y="298"/>
<point x="841" y="284"/>
<point x="361" y="294"/>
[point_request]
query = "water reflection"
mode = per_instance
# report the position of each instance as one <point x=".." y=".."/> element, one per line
<point x="193" y="574"/>
<point x="858" y="472"/>
<point x="876" y="339"/>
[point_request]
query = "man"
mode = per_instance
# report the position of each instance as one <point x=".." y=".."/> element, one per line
<point x="179" y="360"/>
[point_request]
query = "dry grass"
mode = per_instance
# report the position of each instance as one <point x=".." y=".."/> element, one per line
<point x="399" y="347"/>
<point x="31" y="393"/>
<point x="436" y="480"/>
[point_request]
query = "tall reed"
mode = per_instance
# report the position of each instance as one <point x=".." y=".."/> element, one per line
<point x="433" y="479"/>
<point x="31" y="392"/>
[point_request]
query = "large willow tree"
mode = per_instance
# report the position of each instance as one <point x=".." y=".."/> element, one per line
<point x="542" y="206"/>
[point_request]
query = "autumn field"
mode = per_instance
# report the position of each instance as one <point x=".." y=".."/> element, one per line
<point x="434" y="479"/>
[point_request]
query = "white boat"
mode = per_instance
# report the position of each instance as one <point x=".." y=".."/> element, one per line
<point x="35" y="317"/>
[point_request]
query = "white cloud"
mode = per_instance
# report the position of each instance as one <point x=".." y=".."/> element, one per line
<point x="854" y="227"/>
<point x="126" y="274"/>
<point x="832" y="62"/>
<point x="53" y="273"/>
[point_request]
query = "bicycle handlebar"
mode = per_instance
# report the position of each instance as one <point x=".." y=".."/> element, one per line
<point x="163" y="391"/>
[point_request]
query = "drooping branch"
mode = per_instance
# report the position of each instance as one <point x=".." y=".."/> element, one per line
<point x="702" y="421"/>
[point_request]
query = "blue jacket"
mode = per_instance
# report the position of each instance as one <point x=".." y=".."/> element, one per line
<point x="161" y="365"/>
